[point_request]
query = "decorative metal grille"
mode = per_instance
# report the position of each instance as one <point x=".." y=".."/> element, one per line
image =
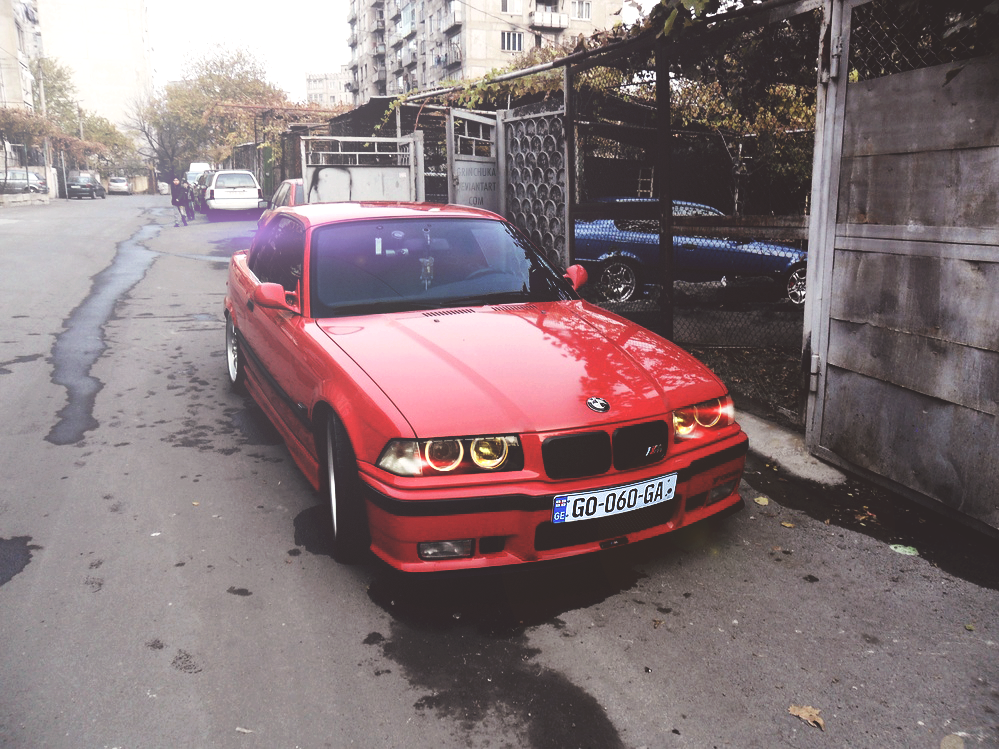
<point x="536" y="180"/>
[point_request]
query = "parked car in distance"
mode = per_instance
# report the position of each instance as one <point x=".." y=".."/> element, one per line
<point x="621" y="255"/>
<point x="119" y="186"/>
<point x="291" y="192"/>
<point x="198" y="190"/>
<point x="457" y="403"/>
<point x="85" y="185"/>
<point x="22" y="180"/>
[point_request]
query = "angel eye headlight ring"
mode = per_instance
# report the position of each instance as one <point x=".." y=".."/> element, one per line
<point x="444" y="455"/>
<point x="489" y="453"/>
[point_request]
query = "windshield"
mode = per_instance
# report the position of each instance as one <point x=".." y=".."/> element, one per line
<point x="364" y="267"/>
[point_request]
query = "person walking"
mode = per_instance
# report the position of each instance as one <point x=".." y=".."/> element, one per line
<point x="178" y="197"/>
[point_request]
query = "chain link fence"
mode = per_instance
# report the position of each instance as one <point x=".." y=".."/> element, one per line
<point x="740" y="136"/>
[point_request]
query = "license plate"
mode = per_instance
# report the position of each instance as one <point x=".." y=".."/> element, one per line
<point x="600" y="504"/>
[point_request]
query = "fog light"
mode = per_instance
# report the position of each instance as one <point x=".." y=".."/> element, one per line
<point x="433" y="550"/>
<point x="720" y="492"/>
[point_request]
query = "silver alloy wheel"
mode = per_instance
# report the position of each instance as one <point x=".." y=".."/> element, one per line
<point x="232" y="355"/>
<point x="618" y="281"/>
<point x="331" y="478"/>
<point x="795" y="285"/>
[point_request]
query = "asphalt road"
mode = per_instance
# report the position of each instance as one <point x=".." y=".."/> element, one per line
<point x="165" y="579"/>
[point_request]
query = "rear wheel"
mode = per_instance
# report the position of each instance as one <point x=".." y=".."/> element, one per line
<point x="618" y="280"/>
<point x="237" y="373"/>
<point x="794" y="284"/>
<point x="342" y="490"/>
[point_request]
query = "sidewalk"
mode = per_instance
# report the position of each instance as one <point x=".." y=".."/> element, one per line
<point x="786" y="448"/>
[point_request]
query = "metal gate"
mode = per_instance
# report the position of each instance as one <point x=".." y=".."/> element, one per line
<point x="337" y="168"/>
<point x="533" y="188"/>
<point x="902" y="302"/>
<point x="473" y="172"/>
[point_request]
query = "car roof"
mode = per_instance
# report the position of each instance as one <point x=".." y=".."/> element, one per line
<point x="316" y="214"/>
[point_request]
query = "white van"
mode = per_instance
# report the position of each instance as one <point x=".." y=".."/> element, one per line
<point x="199" y="167"/>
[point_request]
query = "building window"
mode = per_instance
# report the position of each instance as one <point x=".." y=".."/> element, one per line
<point x="512" y="41"/>
<point x="515" y="7"/>
<point x="581" y="9"/>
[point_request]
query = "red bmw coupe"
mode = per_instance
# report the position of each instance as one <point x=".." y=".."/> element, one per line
<point x="458" y="404"/>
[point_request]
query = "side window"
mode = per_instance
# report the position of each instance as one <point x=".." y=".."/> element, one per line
<point x="278" y="252"/>
<point x="281" y="198"/>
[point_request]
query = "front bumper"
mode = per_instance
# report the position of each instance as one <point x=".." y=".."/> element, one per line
<point x="515" y="528"/>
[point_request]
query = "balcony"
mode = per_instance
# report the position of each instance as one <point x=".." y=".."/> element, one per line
<point x="352" y="40"/>
<point x="543" y="19"/>
<point x="408" y="57"/>
<point x="379" y="50"/>
<point x="381" y="75"/>
<point x="453" y="19"/>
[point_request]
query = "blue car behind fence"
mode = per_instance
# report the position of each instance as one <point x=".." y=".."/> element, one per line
<point x="622" y="255"/>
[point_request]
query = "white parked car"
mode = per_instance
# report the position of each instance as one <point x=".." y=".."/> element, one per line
<point x="119" y="186"/>
<point x="232" y="190"/>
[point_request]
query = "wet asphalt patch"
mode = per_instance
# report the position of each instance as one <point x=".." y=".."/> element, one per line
<point x="464" y="643"/>
<point x="951" y="545"/>
<point x="15" y="554"/>
<point x="81" y="343"/>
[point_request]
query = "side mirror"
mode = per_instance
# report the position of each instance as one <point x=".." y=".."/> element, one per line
<point x="274" y="296"/>
<point x="577" y="276"/>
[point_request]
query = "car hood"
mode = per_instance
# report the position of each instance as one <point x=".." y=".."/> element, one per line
<point x="520" y="368"/>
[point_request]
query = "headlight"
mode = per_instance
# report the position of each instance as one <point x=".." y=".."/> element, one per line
<point x="443" y="455"/>
<point x="489" y="453"/>
<point x="452" y="455"/>
<point x="700" y="419"/>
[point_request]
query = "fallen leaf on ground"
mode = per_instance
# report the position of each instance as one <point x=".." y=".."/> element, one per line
<point x="788" y="525"/>
<point x="657" y="623"/>
<point x="243" y="730"/>
<point x="970" y="627"/>
<point x="909" y="551"/>
<point x="762" y="501"/>
<point x="808" y="714"/>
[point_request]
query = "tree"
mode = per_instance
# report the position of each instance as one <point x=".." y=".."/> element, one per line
<point x="202" y="117"/>
<point x="61" y="105"/>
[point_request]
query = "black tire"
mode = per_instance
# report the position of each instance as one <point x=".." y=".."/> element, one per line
<point x="341" y="489"/>
<point x="233" y="357"/>
<point x="104" y="195"/>
<point x="619" y="280"/>
<point x="794" y="284"/>
<point x="93" y="195"/>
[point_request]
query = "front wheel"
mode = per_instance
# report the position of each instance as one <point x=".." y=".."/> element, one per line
<point x="618" y="280"/>
<point x="237" y="372"/>
<point x="342" y="490"/>
<point x="794" y="284"/>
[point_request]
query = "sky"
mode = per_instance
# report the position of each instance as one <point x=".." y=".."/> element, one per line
<point x="310" y="36"/>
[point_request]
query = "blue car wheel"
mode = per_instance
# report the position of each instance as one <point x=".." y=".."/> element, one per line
<point x="618" y="280"/>
<point x="795" y="284"/>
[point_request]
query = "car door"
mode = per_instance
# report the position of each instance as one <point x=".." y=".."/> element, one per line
<point x="274" y="337"/>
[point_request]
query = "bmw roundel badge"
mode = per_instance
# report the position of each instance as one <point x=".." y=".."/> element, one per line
<point x="598" y="404"/>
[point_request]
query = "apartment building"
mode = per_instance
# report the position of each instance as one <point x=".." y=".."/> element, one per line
<point x="398" y="46"/>
<point x="330" y="89"/>
<point x="19" y="39"/>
